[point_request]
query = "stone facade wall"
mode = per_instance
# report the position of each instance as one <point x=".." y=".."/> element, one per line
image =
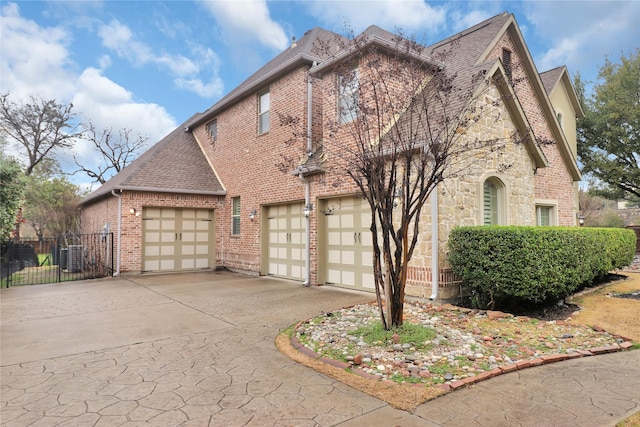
<point x="460" y="198"/>
<point x="553" y="183"/>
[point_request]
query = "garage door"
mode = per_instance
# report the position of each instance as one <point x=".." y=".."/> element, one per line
<point x="348" y="254"/>
<point x="286" y="241"/>
<point x="177" y="239"/>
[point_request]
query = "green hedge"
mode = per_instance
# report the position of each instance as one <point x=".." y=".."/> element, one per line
<point x="532" y="265"/>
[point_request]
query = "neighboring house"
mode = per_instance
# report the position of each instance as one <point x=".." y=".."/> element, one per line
<point x="211" y="193"/>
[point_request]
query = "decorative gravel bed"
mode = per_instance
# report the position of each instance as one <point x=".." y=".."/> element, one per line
<point x="466" y="342"/>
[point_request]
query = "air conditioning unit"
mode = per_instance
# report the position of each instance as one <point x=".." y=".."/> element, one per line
<point x="75" y="258"/>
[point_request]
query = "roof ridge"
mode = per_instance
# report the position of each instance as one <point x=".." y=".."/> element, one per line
<point x="469" y="30"/>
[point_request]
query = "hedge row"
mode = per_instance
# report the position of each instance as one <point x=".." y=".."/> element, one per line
<point x="505" y="266"/>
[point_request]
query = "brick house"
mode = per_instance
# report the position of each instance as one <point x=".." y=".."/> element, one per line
<point x="211" y="194"/>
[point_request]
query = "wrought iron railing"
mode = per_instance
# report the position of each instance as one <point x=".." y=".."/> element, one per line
<point x="58" y="259"/>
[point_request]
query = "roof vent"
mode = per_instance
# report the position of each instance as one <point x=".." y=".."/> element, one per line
<point x="293" y="42"/>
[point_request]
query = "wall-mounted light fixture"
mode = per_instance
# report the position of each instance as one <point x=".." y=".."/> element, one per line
<point x="307" y="210"/>
<point x="580" y="218"/>
<point x="133" y="211"/>
<point x="397" y="197"/>
<point x="252" y="214"/>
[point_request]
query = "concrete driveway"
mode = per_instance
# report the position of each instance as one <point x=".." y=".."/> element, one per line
<point x="197" y="350"/>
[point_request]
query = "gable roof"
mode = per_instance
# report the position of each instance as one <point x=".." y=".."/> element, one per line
<point x="176" y="164"/>
<point x="511" y="27"/>
<point x="304" y="51"/>
<point x="551" y="79"/>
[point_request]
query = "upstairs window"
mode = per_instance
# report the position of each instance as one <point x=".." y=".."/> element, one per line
<point x="212" y="127"/>
<point x="348" y="96"/>
<point x="506" y="63"/>
<point x="235" y="216"/>
<point x="264" y="107"/>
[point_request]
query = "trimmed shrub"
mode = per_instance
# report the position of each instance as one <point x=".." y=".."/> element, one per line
<point x="506" y="266"/>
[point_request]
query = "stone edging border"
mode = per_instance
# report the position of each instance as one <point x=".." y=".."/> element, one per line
<point x="522" y="364"/>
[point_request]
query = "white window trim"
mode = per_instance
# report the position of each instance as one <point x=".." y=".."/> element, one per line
<point x="351" y="92"/>
<point x="547" y="203"/>
<point x="502" y="203"/>
<point x="235" y="215"/>
<point x="262" y="113"/>
<point x="213" y="138"/>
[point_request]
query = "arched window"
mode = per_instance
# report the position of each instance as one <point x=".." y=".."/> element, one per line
<point x="492" y="202"/>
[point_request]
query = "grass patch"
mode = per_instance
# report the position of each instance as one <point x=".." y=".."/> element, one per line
<point x="409" y="333"/>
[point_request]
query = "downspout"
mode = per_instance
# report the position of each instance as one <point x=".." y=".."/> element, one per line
<point x="307" y="189"/>
<point x="435" y="269"/>
<point x="119" y="196"/>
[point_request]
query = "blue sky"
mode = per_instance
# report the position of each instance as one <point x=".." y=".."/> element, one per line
<point x="149" y="65"/>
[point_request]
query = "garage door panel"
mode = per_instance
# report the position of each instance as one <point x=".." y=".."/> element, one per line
<point x="347" y="238"/>
<point x="286" y="241"/>
<point x="334" y="238"/>
<point x="348" y="257"/>
<point x="177" y="239"/>
<point x="348" y="244"/>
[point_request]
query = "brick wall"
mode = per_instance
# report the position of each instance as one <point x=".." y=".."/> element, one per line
<point x="105" y="210"/>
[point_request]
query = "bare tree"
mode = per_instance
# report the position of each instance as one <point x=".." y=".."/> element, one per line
<point x="405" y="124"/>
<point x="40" y="126"/>
<point x="115" y="150"/>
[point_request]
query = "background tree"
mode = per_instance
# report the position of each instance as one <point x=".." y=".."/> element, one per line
<point x="401" y="130"/>
<point x="39" y="126"/>
<point x="598" y="211"/>
<point x="609" y="134"/>
<point x="115" y="151"/>
<point x="51" y="203"/>
<point x="11" y="190"/>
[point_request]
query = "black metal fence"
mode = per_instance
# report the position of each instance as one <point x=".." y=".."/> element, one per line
<point x="58" y="259"/>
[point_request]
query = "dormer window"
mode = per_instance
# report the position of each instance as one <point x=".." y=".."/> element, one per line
<point x="212" y="127"/>
<point x="506" y="62"/>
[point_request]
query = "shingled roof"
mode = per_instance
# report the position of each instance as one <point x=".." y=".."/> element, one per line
<point x="303" y="51"/>
<point x="176" y="164"/>
<point x="551" y="78"/>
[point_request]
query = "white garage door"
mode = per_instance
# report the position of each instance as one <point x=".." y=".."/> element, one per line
<point x="349" y="259"/>
<point x="177" y="239"/>
<point x="286" y="241"/>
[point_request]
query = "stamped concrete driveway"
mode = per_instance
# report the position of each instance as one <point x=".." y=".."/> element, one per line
<point x="198" y="350"/>
<point x="167" y="350"/>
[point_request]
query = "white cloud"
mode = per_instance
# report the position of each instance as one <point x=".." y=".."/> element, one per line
<point x="411" y="16"/>
<point x="462" y="21"/>
<point x="247" y="21"/>
<point x="35" y="60"/>
<point x="109" y="105"/>
<point x="581" y="35"/>
<point x="119" y="38"/>
<point x="187" y="72"/>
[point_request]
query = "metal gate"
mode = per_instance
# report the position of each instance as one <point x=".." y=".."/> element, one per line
<point x="58" y="259"/>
